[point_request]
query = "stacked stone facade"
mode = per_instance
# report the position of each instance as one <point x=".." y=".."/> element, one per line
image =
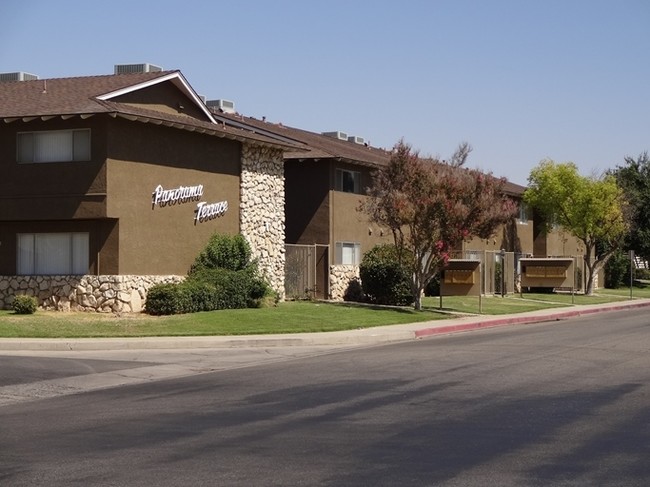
<point x="340" y="277"/>
<point x="262" y="210"/>
<point x="107" y="294"/>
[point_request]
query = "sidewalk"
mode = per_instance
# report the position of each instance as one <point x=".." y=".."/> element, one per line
<point x="366" y="336"/>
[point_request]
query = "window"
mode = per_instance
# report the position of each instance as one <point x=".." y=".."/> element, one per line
<point x="523" y="213"/>
<point x="52" y="254"/>
<point x="53" y="146"/>
<point x="348" y="253"/>
<point x="348" y="181"/>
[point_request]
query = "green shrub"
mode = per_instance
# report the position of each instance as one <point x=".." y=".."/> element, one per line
<point x="354" y="292"/>
<point x="202" y="296"/>
<point x="383" y="278"/>
<point x="233" y="289"/>
<point x="222" y="277"/>
<point x="25" y="305"/>
<point x="643" y="274"/>
<point x="230" y="252"/>
<point x="167" y="299"/>
<point x="617" y="270"/>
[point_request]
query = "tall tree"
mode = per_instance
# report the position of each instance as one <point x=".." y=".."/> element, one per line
<point x="591" y="209"/>
<point x="431" y="206"/>
<point x="634" y="179"/>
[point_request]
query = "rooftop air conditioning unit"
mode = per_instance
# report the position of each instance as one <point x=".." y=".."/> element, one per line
<point x="18" y="76"/>
<point x="357" y="140"/>
<point x="336" y="135"/>
<point x="225" y="106"/>
<point x="137" y="68"/>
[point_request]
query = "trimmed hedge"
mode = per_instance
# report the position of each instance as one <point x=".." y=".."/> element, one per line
<point x="222" y="277"/>
<point x="383" y="278"/>
<point x="25" y="305"/>
<point x="224" y="252"/>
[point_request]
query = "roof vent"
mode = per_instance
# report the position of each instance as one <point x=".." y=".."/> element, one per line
<point x="137" y="68"/>
<point x="18" y="76"/>
<point x="357" y="140"/>
<point x="225" y="106"/>
<point x="336" y="135"/>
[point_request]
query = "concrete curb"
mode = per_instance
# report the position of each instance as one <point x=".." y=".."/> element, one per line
<point x="528" y="319"/>
<point x="365" y="336"/>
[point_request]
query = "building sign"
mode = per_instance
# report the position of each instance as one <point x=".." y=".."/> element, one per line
<point x="182" y="194"/>
<point x="205" y="212"/>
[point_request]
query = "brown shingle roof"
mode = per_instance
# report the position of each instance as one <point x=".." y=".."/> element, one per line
<point x="319" y="146"/>
<point x="63" y="96"/>
<point x="80" y="96"/>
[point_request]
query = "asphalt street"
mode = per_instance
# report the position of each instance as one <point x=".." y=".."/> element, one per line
<point x="562" y="403"/>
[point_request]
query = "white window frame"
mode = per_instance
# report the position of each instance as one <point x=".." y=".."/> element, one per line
<point x="353" y="247"/>
<point x="522" y="218"/>
<point x="74" y="145"/>
<point x="61" y="253"/>
<point x="356" y="181"/>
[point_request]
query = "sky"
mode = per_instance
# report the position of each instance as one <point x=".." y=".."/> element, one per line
<point x="520" y="80"/>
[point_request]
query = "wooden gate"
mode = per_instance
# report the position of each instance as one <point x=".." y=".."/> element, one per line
<point x="306" y="273"/>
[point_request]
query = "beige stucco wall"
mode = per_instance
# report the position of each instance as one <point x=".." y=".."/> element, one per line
<point x="162" y="240"/>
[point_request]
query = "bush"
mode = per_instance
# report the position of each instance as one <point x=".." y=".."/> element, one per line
<point x="643" y="274"/>
<point x="222" y="277"/>
<point x="167" y="299"/>
<point x="617" y="270"/>
<point x="202" y="296"/>
<point x="25" y="305"/>
<point x="354" y="292"/>
<point x="233" y="289"/>
<point x="224" y="252"/>
<point x="383" y="278"/>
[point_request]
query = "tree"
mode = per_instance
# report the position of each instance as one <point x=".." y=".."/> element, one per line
<point x="591" y="209"/>
<point x="432" y="206"/>
<point x="634" y="179"/>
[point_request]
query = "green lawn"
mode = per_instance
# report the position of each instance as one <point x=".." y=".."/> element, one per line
<point x="490" y="305"/>
<point x="288" y="317"/>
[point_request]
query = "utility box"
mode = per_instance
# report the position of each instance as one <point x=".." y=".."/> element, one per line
<point x="461" y="277"/>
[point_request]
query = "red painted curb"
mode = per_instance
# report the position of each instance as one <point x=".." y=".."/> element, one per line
<point x="522" y="320"/>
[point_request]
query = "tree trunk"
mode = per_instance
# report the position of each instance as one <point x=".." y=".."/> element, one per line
<point x="417" y="304"/>
<point x="589" y="288"/>
<point x="594" y="268"/>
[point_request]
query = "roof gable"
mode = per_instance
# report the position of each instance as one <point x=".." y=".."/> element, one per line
<point x="133" y="96"/>
<point x="163" y="97"/>
<point x="138" y="92"/>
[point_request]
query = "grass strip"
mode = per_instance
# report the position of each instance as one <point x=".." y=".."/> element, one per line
<point x="287" y="317"/>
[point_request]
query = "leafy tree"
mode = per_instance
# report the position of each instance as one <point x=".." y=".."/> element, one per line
<point x="591" y="209"/>
<point x="432" y="206"/>
<point x="634" y="178"/>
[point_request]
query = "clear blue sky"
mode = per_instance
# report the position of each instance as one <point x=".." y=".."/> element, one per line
<point x="520" y="80"/>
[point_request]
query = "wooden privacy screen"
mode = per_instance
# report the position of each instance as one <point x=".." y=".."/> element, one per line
<point x="548" y="272"/>
<point x="461" y="278"/>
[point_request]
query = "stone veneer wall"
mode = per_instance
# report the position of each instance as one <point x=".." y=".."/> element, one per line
<point x="262" y="210"/>
<point x="340" y="277"/>
<point x="106" y="294"/>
